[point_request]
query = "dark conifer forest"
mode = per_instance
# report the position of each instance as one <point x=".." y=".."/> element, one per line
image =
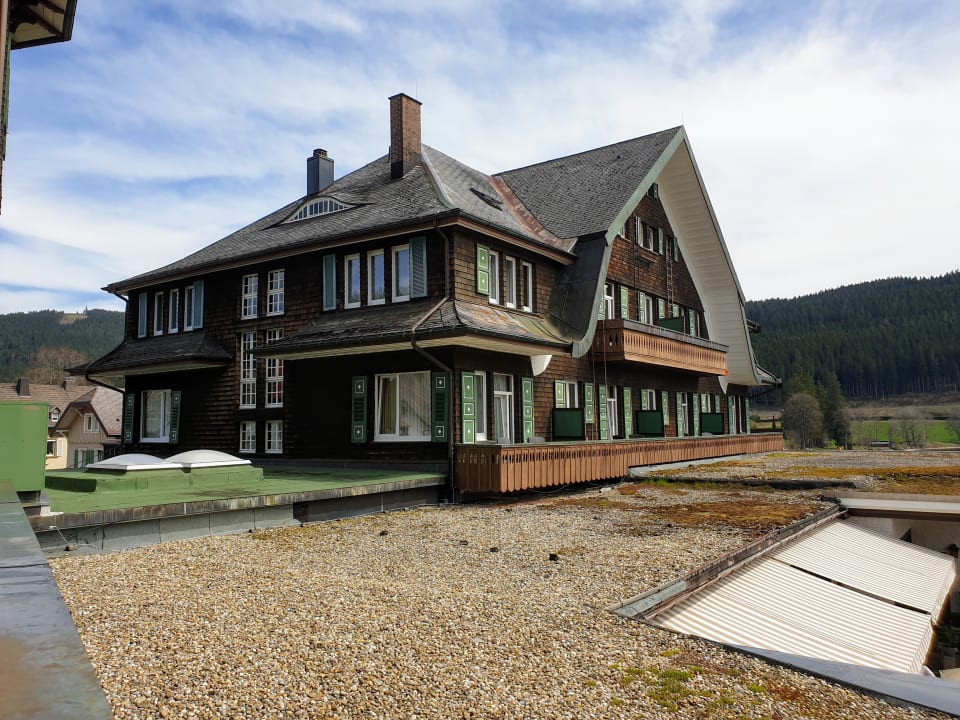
<point x="880" y="338"/>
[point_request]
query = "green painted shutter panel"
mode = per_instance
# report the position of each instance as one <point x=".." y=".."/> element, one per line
<point x="468" y="407"/>
<point x="676" y="313"/>
<point x="559" y="394"/>
<point x="175" y="398"/>
<point x="660" y="241"/>
<point x="440" y="417"/>
<point x="602" y="412"/>
<point x="661" y="308"/>
<point x="731" y="415"/>
<point x="692" y="321"/>
<point x="483" y="270"/>
<point x="330" y="289"/>
<point x="627" y="412"/>
<point x="129" y="406"/>
<point x="624" y="303"/>
<point x="142" y="315"/>
<point x="643" y="400"/>
<point x="602" y="315"/>
<point x="197" y="304"/>
<point x="358" y="408"/>
<point x="642" y="307"/>
<point x="676" y="249"/>
<point x="696" y="414"/>
<point x="665" y="403"/>
<point x="418" y="267"/>
<point x="526" y="403"/>
<point x="746" y="410"/>
<point x="588" y="414"/>
<point x="679" y="414"/>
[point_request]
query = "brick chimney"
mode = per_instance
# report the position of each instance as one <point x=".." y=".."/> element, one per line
<point x="319" y="171"/>
<point x="404" y="135"/>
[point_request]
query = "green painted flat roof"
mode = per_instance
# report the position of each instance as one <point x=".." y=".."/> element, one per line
<point x="275" y="481"/>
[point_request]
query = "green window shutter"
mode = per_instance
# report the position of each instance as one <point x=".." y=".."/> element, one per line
<point x="679" y="411"/>
<point x="665" y="403"/>
<point x="746" y="409"/>
<point x="641" y="307"/>
<point x="602" y="315"/>
<point x="676" y="249"/>
<point x="129" y="406"/>
<point x="602" y="412"/>
<point x="468" y="407"/>
<point x="661" y="308"/>
<point x="440" y="420"/>
<point x="175" y="398"/>
<point x="418" y="267"/>
<point x="716" y="404"/>
<point x="588" y="414"/>
<point x="696" y="414"/>
<point x="330" y="287"/>
<point x="197" y="304"/>
<point x="142" y="315"/>
<point x="676" y="313"/>
<point x="526" y="403"/>
<point x="624" y="303"/>
<point x="559" y="394"/>
<point x="358" y="408"/>
<point x="483" y="270"/>
<point x="660" y="241"/>
<point x="731" y="415"/>
<point x="692" y="321"/>
<point x="627" y="412"/>
<point x="643" y="400"/>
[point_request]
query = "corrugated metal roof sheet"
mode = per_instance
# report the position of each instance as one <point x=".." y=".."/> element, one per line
<point x="874" y="563"/>
<point x="783" y="602"/>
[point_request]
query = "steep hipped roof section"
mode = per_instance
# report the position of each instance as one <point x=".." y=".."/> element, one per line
<point x="582" y="194"/>
<point x="105" y="403"/>
<point x="193" y="350"/>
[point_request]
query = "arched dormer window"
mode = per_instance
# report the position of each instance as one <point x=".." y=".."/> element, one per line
<point x="320" y="206"/>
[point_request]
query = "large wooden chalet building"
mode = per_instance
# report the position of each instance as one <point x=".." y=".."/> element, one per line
<point x="553" y="324"/>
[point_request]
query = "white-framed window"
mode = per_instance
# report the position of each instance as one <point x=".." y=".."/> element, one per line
<point x="509" y="281"/>
<point x="174" y="314"/>
<point x="684" y="426"/>
<point x="248" y="436"/>
<point x="274" y="373"/>
<point x="613" y="419"/>
<point x="54" y="415"/>
<point x="503" y="407"/>
<point x="646" y="236"/>
<point x="275" y="292"/>
<point x="401" y="273"/>
<point x="480" y="391"/>
<point x="494" y="265"/>
<point x="155" y="416"/>
<point x="376" y="279"/>
<point x="527" y="269"/>
<point x="351" y="281"/>
<point x="248" y="370"/>
<point x="188" y="308"/>
<point x="82" y="458"/>
<point x="645" y="308"/>
<point x="609" y="306"/>
<point x="248" y="297"/>
<point x="52" y="448"/>
<point x="90" y="423"/>
<point x="651" y="399"/>
<point x="158" y="313"/>
<point x="274" y="436"/>
<point x="403" y="407"/>
<point x="571" y="398"/>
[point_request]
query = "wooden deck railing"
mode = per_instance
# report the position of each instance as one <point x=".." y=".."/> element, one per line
<point x="512" y="468"/>
<point x="620" y="340"/>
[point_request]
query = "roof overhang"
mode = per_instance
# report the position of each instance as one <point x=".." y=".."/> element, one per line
<point x="41" y="23"/>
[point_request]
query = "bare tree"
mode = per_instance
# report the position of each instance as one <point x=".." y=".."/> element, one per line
<point x="49" y="364"/>
<point x="953" y="427"/>
<point x="912" y="427"/>
<point x="803" y="420"/>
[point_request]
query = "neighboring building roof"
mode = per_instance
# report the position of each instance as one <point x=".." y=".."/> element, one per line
<point x="182" y="351"/>
<point x="36" y="23"/>
<point x="103" y="402"/>
<point x="387" y="326"/>
<point x="56" y="396"/>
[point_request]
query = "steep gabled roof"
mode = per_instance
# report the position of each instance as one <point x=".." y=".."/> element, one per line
<point x="103" y="402"/>
<point x="581" y="194"/>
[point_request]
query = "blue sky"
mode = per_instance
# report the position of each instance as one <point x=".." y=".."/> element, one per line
<point x="825" y="131"/>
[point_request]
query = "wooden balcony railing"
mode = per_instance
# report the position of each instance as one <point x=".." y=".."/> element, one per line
<point x="512" y="468"/>
<point x="623" y="340"/>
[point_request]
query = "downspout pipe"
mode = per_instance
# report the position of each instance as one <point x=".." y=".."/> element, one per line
<point x="451" y="482"/>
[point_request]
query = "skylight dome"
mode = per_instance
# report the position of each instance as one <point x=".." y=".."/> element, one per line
<point x="320" y="206"/>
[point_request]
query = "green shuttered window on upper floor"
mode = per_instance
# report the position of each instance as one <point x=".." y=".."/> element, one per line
<point x="483" y="270"/>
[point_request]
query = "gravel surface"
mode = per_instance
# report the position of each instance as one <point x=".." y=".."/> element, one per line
<point x="449" y="612"/>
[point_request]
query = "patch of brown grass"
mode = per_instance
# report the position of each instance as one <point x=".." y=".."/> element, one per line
<point x="594" y="502"/>
<point x="921" y="480"/>
<point x="755" y="514"/>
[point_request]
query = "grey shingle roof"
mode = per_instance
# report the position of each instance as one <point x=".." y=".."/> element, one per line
<point x="107" y="404"/>
<point x="187" y="348"/>
<point x="582" y="194"/>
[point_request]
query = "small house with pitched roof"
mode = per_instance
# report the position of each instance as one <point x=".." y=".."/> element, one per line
<point x="552" y="324"/>
<point x="91" y="426"/>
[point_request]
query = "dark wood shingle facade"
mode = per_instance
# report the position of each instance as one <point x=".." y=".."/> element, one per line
<point x="418" y="311"/>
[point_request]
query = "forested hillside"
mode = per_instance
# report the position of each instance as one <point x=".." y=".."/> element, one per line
<point x="885" y="337"/>
<point x="52" y="338"/>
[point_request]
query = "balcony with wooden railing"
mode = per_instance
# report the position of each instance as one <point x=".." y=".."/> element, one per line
<point x="515" y="468"/>
<point x="627" y="341"/>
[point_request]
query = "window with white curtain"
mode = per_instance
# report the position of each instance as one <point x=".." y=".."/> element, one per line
<point x="503" y="407"/>
<point x="403" y="407"/>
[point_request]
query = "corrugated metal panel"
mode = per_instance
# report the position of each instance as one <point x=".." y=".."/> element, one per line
<point x="773" y="606"/>
<point x="874" y="563"/>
